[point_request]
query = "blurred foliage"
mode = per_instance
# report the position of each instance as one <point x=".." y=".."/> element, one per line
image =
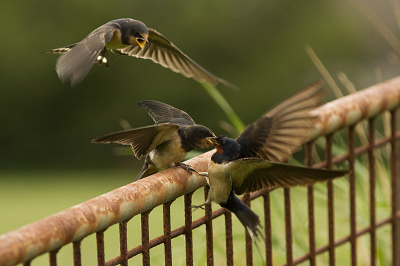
<point x="256" y="45"/>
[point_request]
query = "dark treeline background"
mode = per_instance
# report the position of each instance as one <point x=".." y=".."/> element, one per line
<point x="257" y="45"/>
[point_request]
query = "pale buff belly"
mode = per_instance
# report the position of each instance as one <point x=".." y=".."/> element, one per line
<point x="219" y="181"/>
<point x="169" y="155"/>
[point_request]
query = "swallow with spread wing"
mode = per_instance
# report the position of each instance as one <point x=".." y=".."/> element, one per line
<point x="167" y="142"/>
<point x="127" y="37"/>
<point x="254" y="160"/>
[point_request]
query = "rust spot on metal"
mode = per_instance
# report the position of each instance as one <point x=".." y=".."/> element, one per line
<point x="363" y="104"/>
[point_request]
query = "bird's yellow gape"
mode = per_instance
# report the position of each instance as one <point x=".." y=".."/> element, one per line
<point x="141" y="42"/>
<point x="210" y="139"/>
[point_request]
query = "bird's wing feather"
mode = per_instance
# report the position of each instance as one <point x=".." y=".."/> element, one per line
<point x="252" y="174"/>
<point x="61" y="50"/>
<point x="143" y="140"/>
<point x="164" y="113"/>
<point x="162" y="51"/>
<point x="79" y="58"/>
<point x="282" y="131"/>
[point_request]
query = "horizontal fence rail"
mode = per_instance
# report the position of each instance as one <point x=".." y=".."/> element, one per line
<point x="119" y="206"/>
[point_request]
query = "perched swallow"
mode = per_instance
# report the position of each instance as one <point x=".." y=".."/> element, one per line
<point x="166" y="143"/>
<point x="254" y="160"/>
<point x="127" y="37"/>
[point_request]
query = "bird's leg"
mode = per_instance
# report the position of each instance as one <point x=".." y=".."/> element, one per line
<point x="208" y="201"/>
<point x="186" y="167"/>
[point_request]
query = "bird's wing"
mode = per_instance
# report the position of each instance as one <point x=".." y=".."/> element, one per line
<point x="164" y="113"/>
<point x="162" y="51"/>
<point x="252" y="174"/>
<point x="143" y="140"/>
<point x="79" y="58"/>
<point x="282" y="131"/>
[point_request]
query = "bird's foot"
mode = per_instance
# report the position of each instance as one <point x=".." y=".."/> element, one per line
<point x="195" y="207"/>
<point x="186" y="167"/>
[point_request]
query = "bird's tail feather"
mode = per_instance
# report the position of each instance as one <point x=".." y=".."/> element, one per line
<point x="246" y="216"/>
<point x="147" y="169"/>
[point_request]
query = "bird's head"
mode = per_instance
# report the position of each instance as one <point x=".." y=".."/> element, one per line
<point x="200" y="136"/>
<point x="139" y="34"/>
<point x="226" y="146"/>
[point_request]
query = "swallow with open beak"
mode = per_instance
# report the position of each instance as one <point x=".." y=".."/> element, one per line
<point x="255" y="159"/>
<point x="167" y="142"/>
<point x="127" y="37"/>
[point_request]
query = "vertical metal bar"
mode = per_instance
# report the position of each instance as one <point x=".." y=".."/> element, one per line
<point x="352" y="179"/>
<point x="76" y="247"/>
<point x="53" y="257"/>
<point x="310" y="196"/>
<point x="229" y="239"/>
<point x="288" y="223"/>
<point x="371" y="162"/>
<point x="209" y="230"/>
<point x="123" y="243"/>
<point x="249" y="241"/>
<point x="188" y="229"/>
<point x="167" y="233"/>
<point x="145" y="238"/>
<point x="395" y="189"/>
<point x="268" y="232"/>
<point x="331" y="220"/>
<point x="100" y="248"/>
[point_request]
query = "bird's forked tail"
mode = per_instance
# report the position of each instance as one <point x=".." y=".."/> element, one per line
<point x="246" y="216"/>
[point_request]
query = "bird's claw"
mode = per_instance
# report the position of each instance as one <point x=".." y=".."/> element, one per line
<point x="186" y="167"/>
<point x="195" y="207"/>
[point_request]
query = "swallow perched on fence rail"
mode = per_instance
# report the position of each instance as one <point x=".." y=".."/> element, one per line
<point x="127" y="37"/>
<point x="167" y="142"/>
<point x="254" y="160"/>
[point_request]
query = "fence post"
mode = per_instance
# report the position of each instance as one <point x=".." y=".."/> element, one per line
<point x="394" y="165"/>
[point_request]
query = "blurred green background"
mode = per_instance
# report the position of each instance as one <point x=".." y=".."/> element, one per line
<point x="257" y="45"/>
<point x="47" y="126"/>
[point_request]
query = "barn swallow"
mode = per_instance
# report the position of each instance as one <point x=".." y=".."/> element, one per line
<point x="167" y="142"/>
<point x="127" y="37"/>
<point x="254" y="160"/>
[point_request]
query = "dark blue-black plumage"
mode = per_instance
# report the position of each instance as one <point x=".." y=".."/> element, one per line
<point x="255" y="159"/>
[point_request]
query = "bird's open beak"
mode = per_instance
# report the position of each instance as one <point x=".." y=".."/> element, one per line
<point x="213" y="140"/>
<point x="141" y="42"/>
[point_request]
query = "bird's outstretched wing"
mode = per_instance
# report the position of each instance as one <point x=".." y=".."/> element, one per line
<point x="78" y="59"/>
<point x="164" y="113"/>
<point x="143" y="140"/>
<point x="282" y="131"/>
<point x="163" y="52"/>
<point x="252" y="174"/>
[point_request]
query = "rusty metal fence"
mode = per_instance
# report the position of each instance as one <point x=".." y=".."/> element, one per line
<point x="72" y="225"/>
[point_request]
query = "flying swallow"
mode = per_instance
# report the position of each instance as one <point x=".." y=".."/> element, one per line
<point x="167" y="142"/>
<point x="127" y="37"/>
<point x="255" y="159"/>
